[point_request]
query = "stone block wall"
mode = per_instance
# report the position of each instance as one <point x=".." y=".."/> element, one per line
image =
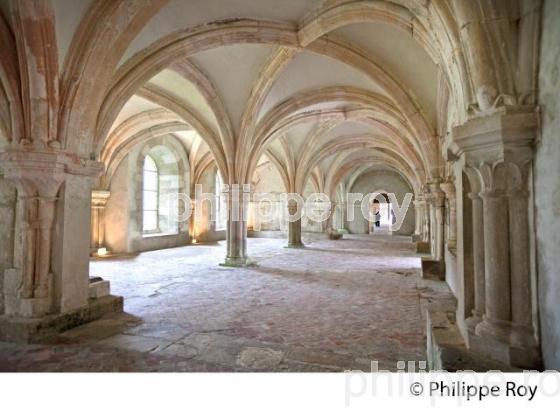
<point x="547" y="186"/>
<point x="7" y="225"/>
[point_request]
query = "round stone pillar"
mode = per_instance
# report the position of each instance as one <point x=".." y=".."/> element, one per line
<point x="236" y="236"/>
<point x="437" y="205"/>
<point x="418" y="217"/>
<point x="496" y="263"/>
<point x="478" y="261"/>
<point x="449" y="189"/>
<point x="294" y="225"/>
<point x="498" y="148"/>
<point x="521" y="309"/>
<point x="236" y="239"/>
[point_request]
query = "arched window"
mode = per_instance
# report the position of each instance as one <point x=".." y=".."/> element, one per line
<point x="150" y="196"/>
<point x="221" y="210"/>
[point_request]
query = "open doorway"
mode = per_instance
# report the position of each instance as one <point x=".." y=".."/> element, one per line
<point x="382" y="217"/>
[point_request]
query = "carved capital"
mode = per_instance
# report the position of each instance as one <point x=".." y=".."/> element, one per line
<point x="502" y="137"/>
<point x="99" y="198"/>
<point x="498" y="149"/>
<point x="448" y="188"/>
<point x="436" y="196"/>
<point x="474" y="196"/>
<point x="38" y="176"/>
<point x="40" y="173"/>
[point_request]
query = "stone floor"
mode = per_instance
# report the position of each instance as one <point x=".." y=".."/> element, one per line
<point x="333" y="306"/>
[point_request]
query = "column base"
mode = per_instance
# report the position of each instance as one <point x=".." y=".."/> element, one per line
<point x="446" y="349"/>
<point x="422" y="247"/>
<point x="295" y="245"/>
<point x="32" y="330"/>
<point x="471" y="322"/>
<point x="14" y="305"/>
<point x="508" y="343"/>
<point x="28" y="308"/>
<point x="334" y="235"/>
<point x="236" y="262"/>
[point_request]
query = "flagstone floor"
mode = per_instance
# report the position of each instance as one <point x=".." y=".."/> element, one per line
<point x="332" y="306"/>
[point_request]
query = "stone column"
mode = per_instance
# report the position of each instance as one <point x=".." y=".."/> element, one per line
<point x="437" y="206"/>
<point x="49" y="284"/>
<point x="340" y="212"/>
<point x="421" y="234"/>
<point x="419" y="216"/>
<point x="417" y="222"/>
<point x="329" y="225"/>
<point x="521" y="310"/>
<point x="449" y="189"/>
<point x="425" y="217"/>
<point x="496" y="261"/>
<point x="294" y="225"/>
<point x="434" y="265"/>
<point x="478" y="261"/>
<point x="499" y="148"/>
<point x="508" y="308"/>
<point x="192" y="222"/>
<point x="28" y="287"/>
<point x="99" y="200"/>
<point x="343" y="217"/>
<point x="425" y="222"/>
<point x="236" y="235"/>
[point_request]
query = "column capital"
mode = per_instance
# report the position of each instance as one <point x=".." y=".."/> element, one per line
<point x="506" y="136"/>
<point x="498" y="149"/>
<point x="436" y="196"/>
<point x="40" y="173"/>
<point x="448" y="187"/>
<point x="99" y="198"/>
<point x="475" y="196"/>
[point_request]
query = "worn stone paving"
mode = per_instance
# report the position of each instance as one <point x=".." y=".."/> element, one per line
<point x="333" y="306"/>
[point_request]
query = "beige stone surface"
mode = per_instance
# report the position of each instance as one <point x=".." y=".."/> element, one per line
<point x="454" y="99"/>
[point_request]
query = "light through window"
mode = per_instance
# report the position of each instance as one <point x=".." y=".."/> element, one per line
<point x="150" y="191"/>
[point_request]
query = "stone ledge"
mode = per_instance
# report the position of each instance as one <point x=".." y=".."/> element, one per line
<point x="26" y="330"/>
<point x="432" y="269"/>
<point x="99" y="289"/>
<point x="446" y="349"/>
<point x="522" y="358"/>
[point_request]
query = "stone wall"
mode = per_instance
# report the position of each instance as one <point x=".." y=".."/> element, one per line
<point x="7" y="220"/>
<point x="547" y="186"/>
<point x="309" y="224"/>
<point x="459" y="264"/>
<point x="123" y="212"/>
<point x="381" y="181"/>
<point x="267" y="180"/>
<point x="205" y="228"/>
<point x="71" y="239"/>
<point x="117" y="211"/>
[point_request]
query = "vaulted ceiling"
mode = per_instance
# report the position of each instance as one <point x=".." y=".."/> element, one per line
<point x="315" y="86"/>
